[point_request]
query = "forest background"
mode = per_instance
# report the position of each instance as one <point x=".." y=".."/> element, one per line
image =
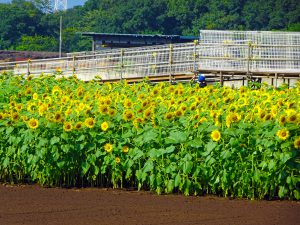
<point x="32" y="26"/>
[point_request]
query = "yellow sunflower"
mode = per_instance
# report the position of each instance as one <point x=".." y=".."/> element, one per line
<point x="108" y="147"/>
<point x="147" y="114"/>
<point x="216" y="135"/>
<point x="125" y="149"/>
<point x="128" y="115"/>
<point x="104" y="126"/>
<point x="112" y="112"/>
<point x="297" y="143"/>
<point x="35" y="96"/>
<point x="33" y="123"/>
<point x="15" y="116"/>
<point x="90" y="122"/>
<point x="179" y="113"/>
<point x="58" y="117"/>
<point x="68" y="126"/>
<point x="118" y="160"/>
<point x="128" y="103"/>
<point x="282" y="119"/>
<point x="292" y="118"/>
<point x="2" y="116"/>
<point x="78" y="125"/>
<point x="283" y="134"/>
<point x="169" y="116"/>
<point x="103" y="109"/>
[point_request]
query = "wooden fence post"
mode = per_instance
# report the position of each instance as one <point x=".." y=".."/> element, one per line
<point x="122" y="64"/>
<point x="170" y="62"/>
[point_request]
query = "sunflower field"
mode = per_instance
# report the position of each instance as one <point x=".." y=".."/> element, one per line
<point x="59" y="131"/>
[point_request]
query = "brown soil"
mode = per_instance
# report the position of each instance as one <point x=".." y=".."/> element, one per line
<point x="36" y="205"/>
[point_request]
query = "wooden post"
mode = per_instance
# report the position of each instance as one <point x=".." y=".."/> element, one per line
<point x="74" y="66"/>
<point x="122" y="64"/>
<point x="28" y="67"/>
<point x="249" y="58"/>
<point x="195" y="55"/>
<point x="221" y="78"/>
<point x="170" y="62"/>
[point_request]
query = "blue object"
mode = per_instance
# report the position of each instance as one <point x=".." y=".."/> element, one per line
<point x="201" y="77"/>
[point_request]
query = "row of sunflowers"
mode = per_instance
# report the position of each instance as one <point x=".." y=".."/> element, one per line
<point x="60" y="131"/>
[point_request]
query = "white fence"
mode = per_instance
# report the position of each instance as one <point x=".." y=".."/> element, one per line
<point x="236" y="51"/>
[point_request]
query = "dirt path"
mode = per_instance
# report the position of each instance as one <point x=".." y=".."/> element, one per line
<point x="35" y="205"/>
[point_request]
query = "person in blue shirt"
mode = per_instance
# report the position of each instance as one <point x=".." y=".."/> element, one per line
<point x="201" y="80"/>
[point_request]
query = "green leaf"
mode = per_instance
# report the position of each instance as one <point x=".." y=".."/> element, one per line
<point x="137" y="154"/>
<point x="271" y="164"/>
<point x="9" y="130"/>
<point x="187" y="167"/>
<point x="61" y="164"/>
<point x="153" y="153"/>
<point x="196" y="143"/>
<point x="209" y="147"/>
<point x="170" y="149"/>
<point x="225" y="154"/>
<point x="5" y="162"/>
<point x="148" y="166"/>
<point x="282" y="191"/>
<point x="81" y="138"/>
<point x="296" y="194"/>
<point x="176" y="137"/>
<point x="149" y="136"/>
<point x="285" y="145"/>
<point x="177" y="180"/>
<point x="128" y="134"/>
<point x="54" y="140"/>
<point x="170" y="186"/>
<point x="85" y="167"/>
<point x="284" y="157"/>
<point x="64" y="136"/>
<point x="152" y="180"/>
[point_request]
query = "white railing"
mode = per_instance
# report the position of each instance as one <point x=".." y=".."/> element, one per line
<point x="217" y="51"/>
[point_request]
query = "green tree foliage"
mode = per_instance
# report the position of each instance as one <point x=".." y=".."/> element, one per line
<point x="184" y="17"/>
<point x="37" y="43"/>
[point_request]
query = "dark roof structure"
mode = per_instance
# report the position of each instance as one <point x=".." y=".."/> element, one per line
<point x="110" y="40"/>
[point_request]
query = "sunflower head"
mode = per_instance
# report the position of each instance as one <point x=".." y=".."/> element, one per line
<point x="33" y="123"/>
<point x="297" y="143"/>
<point x="268" y="117"/>
<point x="283" y="134"/>
<point x="2" y="116"/>
<point x="35" y="96"/>
<point x="147" y="113"/>
<point x="78" y="125"/>
<point x="58" y="117"/>
<point x="104" y="126"/>
<point x="128" y="115"/>
<point x="169" y="116"/>
<point x="128" y="103"/>
<point x="108" y="147"/>
<point x="125" y="149"/>
<point x="15" y="116"/>
<point x="103" y="109"/>
<point x="89" y="122"/>
<point x="179" y="113"/>
<point x="215" y="135"/>
<point x="292" y="118"/>
<point x="282" y="119"/>
<point x="111" y="112"/>
<point x="118" y="160"/>
<point x="68" y="126"/>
